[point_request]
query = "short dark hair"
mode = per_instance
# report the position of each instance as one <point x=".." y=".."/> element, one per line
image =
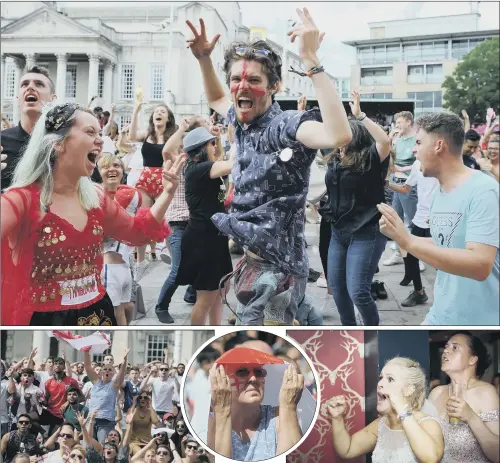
<point x="106" y="113"/>
<point x="72" y="389"/>
<point x="51" y="358"/>
<point x="209" y="354"/>
<point x="478" y="349"/>
<point x="270" y="61"/>
<point x="20" y="456"/>
<point x="59" y="360"/>
<point x="472" y="135"/>
<point x="135" y="369"/>
<point x="28" y="371"/>
<point x="404" y="114"/>
<point x="67" y="423"/>
<point x="447" y="125"/>
<point x="117" y="432"/>
<point x="44" y="72"/>
<point x="97" y="109"/>
<point x="25" y="415"/>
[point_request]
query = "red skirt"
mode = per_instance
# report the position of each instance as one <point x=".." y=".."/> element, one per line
<point x="150" y="181"/>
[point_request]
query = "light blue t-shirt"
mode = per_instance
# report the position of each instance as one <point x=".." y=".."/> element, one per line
<point x="467" y="214"/>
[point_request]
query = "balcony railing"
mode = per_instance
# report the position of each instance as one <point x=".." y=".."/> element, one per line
<point x="378" y="80"/>
<point x="428" y="79"/>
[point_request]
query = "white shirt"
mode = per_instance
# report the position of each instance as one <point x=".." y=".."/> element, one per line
<point x="425" y="188"/>
<point x="42" y="377"/>
<point x="163" y="392"/>
<point x="36" y="395"/>
<point x="136" y="161"/>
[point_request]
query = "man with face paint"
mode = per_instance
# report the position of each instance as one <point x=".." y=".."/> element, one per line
<point x="275" y="150"/>
<point x="55" y="395"/>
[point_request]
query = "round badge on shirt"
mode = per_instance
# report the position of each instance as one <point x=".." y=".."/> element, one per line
<point x="286" y="155"/>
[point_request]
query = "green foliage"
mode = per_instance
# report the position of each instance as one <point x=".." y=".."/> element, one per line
<point x="474" y="85"/>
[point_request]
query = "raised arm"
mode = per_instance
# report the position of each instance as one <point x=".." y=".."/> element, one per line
<point x="382" y="141"/>
<point x="106" y="129"/>
<point x="223" y="168"/>
<point x="120" y="377"/>
<point x="139" y="456"/>
<point x="345" y="445"/>
<point x="146" y="381"/>
<point x="335" y="131"/>
<point x="135" y="134"/>
<point x="88" y="367"/>
<point x="219" y="426"/>
<point x="466" y="120"/>
<point x="202" y="49"/>
<point x="173" y="144"/>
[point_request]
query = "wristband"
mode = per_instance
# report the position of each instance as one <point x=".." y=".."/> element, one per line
<point x="362" y="117"/>
<point x="404" y="414"/>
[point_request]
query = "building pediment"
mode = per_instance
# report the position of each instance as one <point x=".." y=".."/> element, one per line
<point x="46" y="23"/>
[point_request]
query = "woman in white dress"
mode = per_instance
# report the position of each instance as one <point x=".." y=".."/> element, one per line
<point x="402" y="433"/>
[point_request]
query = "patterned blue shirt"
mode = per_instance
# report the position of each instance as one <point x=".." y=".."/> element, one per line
<point x="270" y="192"/>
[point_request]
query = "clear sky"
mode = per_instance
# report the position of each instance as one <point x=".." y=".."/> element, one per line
<point x="349" y="20"/>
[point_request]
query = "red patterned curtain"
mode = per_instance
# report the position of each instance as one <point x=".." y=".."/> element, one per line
<point x="338" y="357"/>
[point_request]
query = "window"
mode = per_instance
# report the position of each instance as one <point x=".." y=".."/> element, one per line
<point x="156" y="344"/>
<point x="392" y="53"/>
<point x="415" y="74"/>
<point x="428" y="101"/>
<point x="157" y="81"/>
<point x="10" y="81"/>
<point x="377" y="96"/>
<point x="100" y="81"/>
<point x="70" y="92"/>
<point x="411" y="52"/>
<point x="125" y="119"/>
<point x="127" y="77"/>
<point x="376" y="76"/>
<point x="434" y="73"/>
<point x="459" y="48"/>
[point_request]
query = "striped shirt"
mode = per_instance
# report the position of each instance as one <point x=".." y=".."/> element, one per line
<point x="178" y="210"/>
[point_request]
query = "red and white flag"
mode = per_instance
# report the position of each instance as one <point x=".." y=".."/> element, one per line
<point x="95" y="343"/>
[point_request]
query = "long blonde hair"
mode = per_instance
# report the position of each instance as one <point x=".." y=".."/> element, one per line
<point x="37" y="163"/>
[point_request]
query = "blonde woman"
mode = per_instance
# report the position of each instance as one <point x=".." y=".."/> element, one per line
<point x="402" y="433"/>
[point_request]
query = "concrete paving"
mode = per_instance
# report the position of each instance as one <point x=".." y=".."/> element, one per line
<point x="391" y="311"/>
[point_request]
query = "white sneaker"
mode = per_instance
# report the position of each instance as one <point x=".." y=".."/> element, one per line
<point x="140" y="269"/>
<point x="165" y="256"/>
<point x="395" y="259"/>
<point x="421" y="266"/>
<point x="322" y="283"/>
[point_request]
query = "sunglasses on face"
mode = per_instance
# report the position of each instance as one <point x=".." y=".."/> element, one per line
<point x="76" y="455"/>
<point x="163" y="369"/>
<point x="242" y="50"/>
<point x="213" y="143"/>
<point x="67" y="436"/>
<point x="245" y="372"/>
<point x="192" y="447"/>
<point x="23" y="423"/>
<point x="180" y="426"/>
<point x="144" y="397"/>
<point x="162" y="452"/>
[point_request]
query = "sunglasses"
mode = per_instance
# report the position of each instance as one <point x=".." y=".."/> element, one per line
<point x="160" y="452"/>
<point x="213" y="143"/>
<point x="245" y="372"/>
<point x="67" y="436"/>
<point x="163" y="369"/>
<point x="181" y="426"/>
<point x="76" y="455"/>
<point x="144" y="397"/>
<point x="23" y="422"/>
<point x="192" y="447"/>
<point x="256" y="51"/>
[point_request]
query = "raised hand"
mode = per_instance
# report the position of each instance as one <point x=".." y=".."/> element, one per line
<point x="336" y="406"/>
<point x="171" y="174"/>
<point x="127" y="351"/>
<point x="465" y="115"/>
<point x="183" y="125"/>
<point x="220" y="386"/>
<point x="355" y="104"/>
<point x="310" y="39"/>
<point x="392" y="226"/>
<point x="81" y="419"/>
<point x="291" y="388"/>
<point x="200" y="46"/>
<point x="139" y="101"/>
<point x="302" y="103"/>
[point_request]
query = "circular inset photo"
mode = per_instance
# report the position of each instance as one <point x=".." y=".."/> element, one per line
<point x="250" y="395"/>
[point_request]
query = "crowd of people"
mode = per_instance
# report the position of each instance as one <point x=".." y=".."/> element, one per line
<point x="54" y="411"/>
<point x="74" y="235"/>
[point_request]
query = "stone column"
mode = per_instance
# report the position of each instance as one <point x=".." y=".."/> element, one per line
<point x="178" y="344"/>
<point x="93" y="75"/>
<point x="120" y="343"/>
<point x="62" y="61"/>
<point x="42" y="342"/>
<point x="107" y="92"/>
<point x="30" y="59"/>
<point x="2" y="77"/>
<point x="16" y="111"/>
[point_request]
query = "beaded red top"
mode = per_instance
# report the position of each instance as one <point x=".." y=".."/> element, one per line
<point x="48" y="265"/>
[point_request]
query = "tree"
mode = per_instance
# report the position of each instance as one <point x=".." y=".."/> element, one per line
<point x="473" y="86"/>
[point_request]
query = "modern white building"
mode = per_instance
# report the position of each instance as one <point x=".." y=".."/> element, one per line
<point x="410" y="58"/>
<point x="106" y="50"/>
<point x="146" y="346"/>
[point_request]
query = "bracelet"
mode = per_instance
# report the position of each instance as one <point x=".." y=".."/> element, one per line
<point x="315" y="70"/>
<point x="404" y="414"/>
<point x="362" y="118"/>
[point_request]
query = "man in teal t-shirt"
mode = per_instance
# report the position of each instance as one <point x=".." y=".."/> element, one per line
<point x="464" y="224"/>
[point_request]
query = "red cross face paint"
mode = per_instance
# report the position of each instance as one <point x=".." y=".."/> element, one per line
<point x="248" y="85"/>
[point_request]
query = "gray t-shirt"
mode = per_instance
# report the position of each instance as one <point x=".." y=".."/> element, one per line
<point x="103" y="399"/>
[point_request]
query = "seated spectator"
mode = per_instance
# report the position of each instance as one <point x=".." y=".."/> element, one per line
<point x="21" y="440"/>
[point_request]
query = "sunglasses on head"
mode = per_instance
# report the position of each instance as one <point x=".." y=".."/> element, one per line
<point x="192" y="447"/>
<point x="67" y="436"/>
<point x="76" y="455"/>
<point x="244" y="372"/>
<point x="256" y="51"/>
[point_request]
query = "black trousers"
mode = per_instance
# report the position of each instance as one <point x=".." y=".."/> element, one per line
<point x="412" y="270"/>
<point x="325" y="235"/>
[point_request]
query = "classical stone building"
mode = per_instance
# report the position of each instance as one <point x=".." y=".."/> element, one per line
<point x="106" y="50"/>
<point x="146" y="345"/>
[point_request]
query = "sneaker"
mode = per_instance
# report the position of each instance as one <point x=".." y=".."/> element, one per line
<point x="322" y="283"/>
<point x="164" y="317"/>
<point x="381" y="292"/>
<point x="373" y="290"/>
<point x="140" y="269"/>
<point x="414" y="299"/>
<point x="165" y="256"/>
<point x="152" y="257"/>
<point x="189" y="300"/>
<point x="421" y="266"/>
<point x="405" y="281"/>
<point x="395" y="259"/>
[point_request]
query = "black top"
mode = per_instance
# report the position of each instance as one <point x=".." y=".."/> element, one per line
<point x="471" y="162"/>
<point x="151" y="154"/>
<point x="204" y="195"/>
<point x="21" y="443"/>
<point x="13" y="140"/>
<point x="353" y="195"/>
